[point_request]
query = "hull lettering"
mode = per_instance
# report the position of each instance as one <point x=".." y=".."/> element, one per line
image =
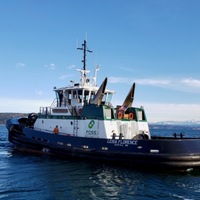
<point x="122" y="142"/>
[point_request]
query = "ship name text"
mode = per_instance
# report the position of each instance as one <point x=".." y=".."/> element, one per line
<point x="122" y="142"/>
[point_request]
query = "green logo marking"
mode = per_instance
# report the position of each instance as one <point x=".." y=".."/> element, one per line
<point x="91" y="124"/>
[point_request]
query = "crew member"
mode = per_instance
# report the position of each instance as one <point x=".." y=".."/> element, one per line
<point x="56" y="131"/>
<point x="60" y="97"/>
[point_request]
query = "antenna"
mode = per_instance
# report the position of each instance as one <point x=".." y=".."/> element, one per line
<point x="95" y="73"/>
<point x="96" y="57"/>
<point x="84" y="48"/>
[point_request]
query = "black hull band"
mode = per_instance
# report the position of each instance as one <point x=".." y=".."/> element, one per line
<point x="173" y="161"/>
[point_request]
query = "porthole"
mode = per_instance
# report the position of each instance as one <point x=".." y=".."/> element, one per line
<point x="84" y="147"/>
<point x="104" y="148"/>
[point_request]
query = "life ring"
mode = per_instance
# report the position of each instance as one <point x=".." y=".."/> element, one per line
<point x="120" y="115"/>
<point x="131" y="115"/>
<point x="80" y="110"/>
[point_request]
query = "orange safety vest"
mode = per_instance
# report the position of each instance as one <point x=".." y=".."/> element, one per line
<point x="56" y="130"/>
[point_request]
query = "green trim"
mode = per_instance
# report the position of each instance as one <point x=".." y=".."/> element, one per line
<point x="144" y="119"/>
<point x="57" y="117"/>
<point x="112" y="113"/>
<point x="126" y="120"/>
<point x="135" y="113"/>
<point x="92" y="111"/>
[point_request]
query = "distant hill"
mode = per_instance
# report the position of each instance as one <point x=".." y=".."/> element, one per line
<point x="181" y="123"/>
<point x="192" y="124"/>
<point x="6" y="116"/>
<point x="178" y="127"/>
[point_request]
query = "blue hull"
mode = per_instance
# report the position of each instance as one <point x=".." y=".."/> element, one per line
<point x="172" y="153"/>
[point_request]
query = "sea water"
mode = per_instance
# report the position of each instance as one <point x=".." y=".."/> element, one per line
<point x="25" y="176"/>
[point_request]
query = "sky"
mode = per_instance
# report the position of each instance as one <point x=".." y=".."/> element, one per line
<point x="155" y="44"/>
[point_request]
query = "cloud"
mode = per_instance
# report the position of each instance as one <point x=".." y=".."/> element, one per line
<point x="170" y="112"/>
<point x="126" y="69"/>
<point x="118" y="80"/>
<point x="22" y="105"/>
<point x="65" y="76"/>
<point x="139" y="81"/>
<point x="71" y="66"/>
<point x="39" y="92"/>
<point x="20" y="65"/>
<point x="152" y="82"/>
<point x="52" y="66"/>
<point x="191" y="82"/>
<point x="185" y="84"/>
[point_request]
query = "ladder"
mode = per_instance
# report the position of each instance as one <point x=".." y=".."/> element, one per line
<point x="75" y="131"/>
<point x="72" y="110"/>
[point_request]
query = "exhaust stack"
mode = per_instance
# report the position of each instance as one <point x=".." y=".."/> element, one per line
<point x="100" y="93"/>
<point x="128" y="101"/>
<point x="130" y="97"/>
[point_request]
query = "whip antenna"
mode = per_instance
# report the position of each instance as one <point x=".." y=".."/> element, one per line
<point x="84" y="48"/>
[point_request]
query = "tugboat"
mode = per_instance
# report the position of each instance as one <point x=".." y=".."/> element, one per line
<point x="81" y="122"/>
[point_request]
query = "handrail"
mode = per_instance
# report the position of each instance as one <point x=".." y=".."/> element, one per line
<point x="54" y="103"/>
<point x="45" y="110"/>
<point x="48" y="110"/>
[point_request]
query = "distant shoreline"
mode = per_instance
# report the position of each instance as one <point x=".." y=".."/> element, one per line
<point x="169" y="126"/>
<point x="5" y="116"/>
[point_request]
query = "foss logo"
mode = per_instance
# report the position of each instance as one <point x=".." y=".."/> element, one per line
<point x="90" y="126"/>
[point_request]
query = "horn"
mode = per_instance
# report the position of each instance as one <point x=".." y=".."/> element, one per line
<point x="99" y="95"/>
<point x="130" y="97"/>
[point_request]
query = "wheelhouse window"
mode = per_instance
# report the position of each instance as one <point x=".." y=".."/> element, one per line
<point x="86" y="95"/>
<point x="92" y="95"/>
<point x="59" y="97"/>
<point x="141" y="115"/>
<point x="65" y="97"/>
<point x="104" y="99"/>
<point x="74" y="94"/>
<point x="69" y="97"/>
<point x="109" y="98"/>
<point x="80" y="92"/>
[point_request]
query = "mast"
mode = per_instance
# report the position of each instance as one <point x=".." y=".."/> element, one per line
<point x="84" y="48"/>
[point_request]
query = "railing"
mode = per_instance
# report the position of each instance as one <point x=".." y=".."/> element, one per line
<point x="54" y="103"/>
<point x="48" y="110"/>
<point x="45" y="110"/>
